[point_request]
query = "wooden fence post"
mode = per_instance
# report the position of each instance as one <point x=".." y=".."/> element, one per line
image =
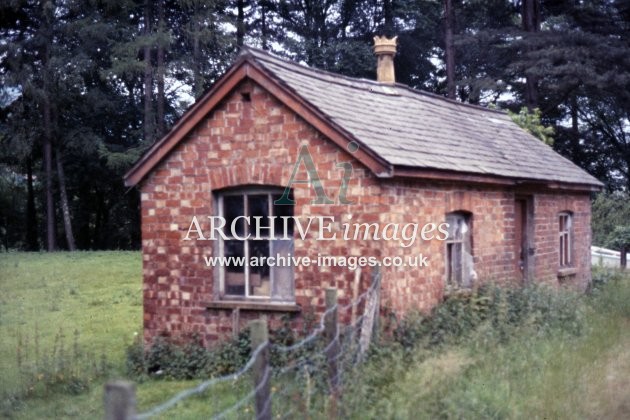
<point x="120" y="400"/>
<point x="371" y="313"/>
<point x="262" y="377"/>
<point x="332" y="342"/>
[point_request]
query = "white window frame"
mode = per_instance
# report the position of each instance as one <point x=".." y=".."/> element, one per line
<point x="466" y="262"/>
<point x="245" y="193"/>
<point x="565" y="234"/>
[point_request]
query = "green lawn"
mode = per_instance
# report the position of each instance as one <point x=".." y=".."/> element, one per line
<point x="94" y="295"/>
<point x="98" y="294"/>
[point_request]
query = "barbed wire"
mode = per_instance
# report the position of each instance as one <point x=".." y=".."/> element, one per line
<point x="247" y="397"/>
<point x="202" y="386"/>
<point x="313" y="335"/>
<point x="346" y="357"/>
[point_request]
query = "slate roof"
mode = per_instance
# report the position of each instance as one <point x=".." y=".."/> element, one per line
<point x="415" y="129"/>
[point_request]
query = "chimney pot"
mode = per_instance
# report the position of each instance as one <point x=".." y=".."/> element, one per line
<point x="385" y="50"/>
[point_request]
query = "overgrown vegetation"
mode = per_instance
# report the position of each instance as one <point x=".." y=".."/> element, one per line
<point x="64" y="321"/>
<point x="497" y="353"/>
<point x="532" y="352"/>
<point x="58" y="369"/>
<point x="498" y="308"/>
<point x="168" y="360"/>
<point x="611" y="218"/>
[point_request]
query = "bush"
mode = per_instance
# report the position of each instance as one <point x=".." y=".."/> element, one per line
<point x="504" y="309"/>
<point x="166" y="359"/>
<point x="602" y="276"/>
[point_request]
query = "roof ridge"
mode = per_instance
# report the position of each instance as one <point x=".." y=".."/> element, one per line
<point x="266" y="55"/>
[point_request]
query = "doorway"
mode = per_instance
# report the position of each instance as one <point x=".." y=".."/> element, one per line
<point x="523" y="215"/>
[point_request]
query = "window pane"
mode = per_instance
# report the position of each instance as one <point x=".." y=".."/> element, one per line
<point x="456" y="263"/>
<point x="280" y="210"/>
<point x="282" y="273"/>
<point x="460" y="263"/>
<point x="259" y="280"/>
<point x="258" y="205"/>
<point x="235" y="270"/>
<point x="456" y="227"/>
<point x="449" y="264"/>
<point x="233" y="206"/>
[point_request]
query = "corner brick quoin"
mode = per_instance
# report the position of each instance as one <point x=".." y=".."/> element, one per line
<point x="256" y="142"/>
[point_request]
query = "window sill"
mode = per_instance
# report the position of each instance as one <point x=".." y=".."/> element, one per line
<point x="567" y="272"/>
<point x="452" y="291"/>
<point x="254" y="306"/>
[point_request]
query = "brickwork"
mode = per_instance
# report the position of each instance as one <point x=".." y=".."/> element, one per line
<point x="254" y="140"/>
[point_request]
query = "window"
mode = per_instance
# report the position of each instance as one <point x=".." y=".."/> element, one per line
<point x="248" y="212"/>
<point x="564" y="225"/>
<point x="459" y="260"/>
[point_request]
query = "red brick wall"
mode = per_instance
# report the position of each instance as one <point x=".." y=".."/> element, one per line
<point x="547" y="207"/>
<point x="257" y="143"/>
<point x="492" y="230"/>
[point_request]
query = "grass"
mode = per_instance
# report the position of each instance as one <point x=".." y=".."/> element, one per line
<point x="97" y="294"/>
<point x="532" y="375"/>
<point x="528" y="375"/>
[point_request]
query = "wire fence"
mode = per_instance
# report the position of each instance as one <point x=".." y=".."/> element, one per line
<point x="305" y="378"/>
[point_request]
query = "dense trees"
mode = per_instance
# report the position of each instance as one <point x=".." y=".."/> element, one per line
<point x="87" y="86"/>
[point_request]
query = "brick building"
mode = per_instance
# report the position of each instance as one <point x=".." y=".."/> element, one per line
<point x="373" y="153"/>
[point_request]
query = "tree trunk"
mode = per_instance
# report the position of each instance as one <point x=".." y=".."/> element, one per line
<point x="161" y="100"/>
<point x="65" y="206"/>
<point x="135" y="233"/>
<point x="576" y="150"/>
<point x="531" y="23"/>
<point x="196" y="62"/>
<point x="32" y="243"/>
<point x="449" y="48"/>
<point x="98" y="221"/>
<point x="263" y="25"/>
<point x="623" y="261"/>
<point x="51" y="239"/>
<point x="240" y="23"/>
<point x="148" y="77"/>
<point x="388" y="17"/>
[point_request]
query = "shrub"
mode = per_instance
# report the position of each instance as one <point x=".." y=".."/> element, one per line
<point x="164" y="358"/>
<point x="504" y="309"/>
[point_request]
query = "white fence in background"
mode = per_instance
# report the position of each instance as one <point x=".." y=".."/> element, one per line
<point x="606" y="257"/>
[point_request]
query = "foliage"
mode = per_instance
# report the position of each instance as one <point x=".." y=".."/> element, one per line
<point x="60" y="369"/>
<point x="519" y="372"/>
<point x="620" y="237"/>
<point x="504" y="309"/>
<point x="531" y="121"/>
<point x="602" y="276"/>
<point x="93" y="62"/>
<point x="189" y="359"/>
<point x="610" y="218"/>
<point x="165" y="358"/>
<point x="510" y="369"/>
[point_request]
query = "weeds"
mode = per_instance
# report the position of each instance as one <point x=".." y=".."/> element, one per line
<point x="58" y="369"/>
<point x="530" y="352"/>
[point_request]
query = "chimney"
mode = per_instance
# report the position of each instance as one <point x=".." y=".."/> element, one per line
<point x="385" y="50"/>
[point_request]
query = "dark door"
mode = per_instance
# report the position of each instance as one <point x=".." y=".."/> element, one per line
<point x="521" y="242"/>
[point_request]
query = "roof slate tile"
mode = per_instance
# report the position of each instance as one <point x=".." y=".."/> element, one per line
<point x="411" y="128"/>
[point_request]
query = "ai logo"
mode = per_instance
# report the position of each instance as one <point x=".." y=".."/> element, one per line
<point x="313" y="178"/>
